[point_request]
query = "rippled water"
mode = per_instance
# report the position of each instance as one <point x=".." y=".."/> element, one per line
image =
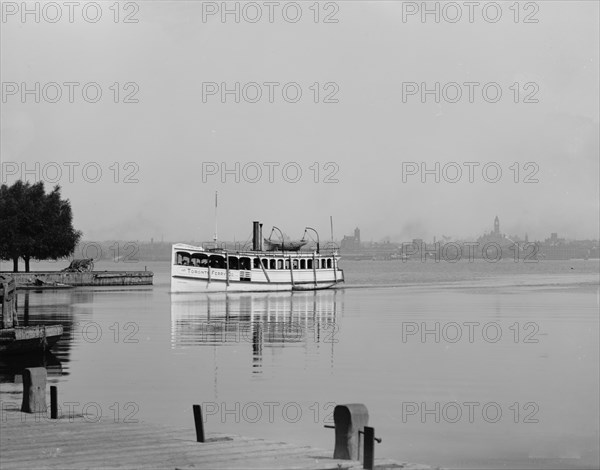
<point x="467" y="365"/>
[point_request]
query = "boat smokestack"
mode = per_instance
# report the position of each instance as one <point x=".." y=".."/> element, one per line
<point x="260" y="238"/>
<point x="256" y="236"/>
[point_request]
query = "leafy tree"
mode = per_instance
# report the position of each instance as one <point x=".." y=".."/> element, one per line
<point x="35" y="225"/>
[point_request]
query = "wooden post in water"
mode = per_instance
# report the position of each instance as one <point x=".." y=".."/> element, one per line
<point x="199" y="424"/>
<point x="34" y="390"/>
<point x="9" y="313"/>
<point x="53" y="402"/>
<point x="369" y="450"/>
<point x="349" y="420"/>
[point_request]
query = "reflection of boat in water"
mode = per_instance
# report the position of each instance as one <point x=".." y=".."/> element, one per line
<point x="21" y="339"/>
<point x="11" y="368"/>
<point x="281" y="267"/>
<point x="269" y="319"/>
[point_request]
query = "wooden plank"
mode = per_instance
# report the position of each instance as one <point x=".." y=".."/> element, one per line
<point x="70" y="444"/>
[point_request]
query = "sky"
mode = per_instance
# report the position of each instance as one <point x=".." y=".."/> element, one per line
<point x="145" y="159"/>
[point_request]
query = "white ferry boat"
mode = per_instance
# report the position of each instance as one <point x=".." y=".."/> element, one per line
<point x="284" y="266"/>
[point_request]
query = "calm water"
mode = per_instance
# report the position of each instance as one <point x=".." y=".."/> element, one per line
<point x="466" y="365"/>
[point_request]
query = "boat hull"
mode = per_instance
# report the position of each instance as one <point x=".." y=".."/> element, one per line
<point x="190" y="285"/>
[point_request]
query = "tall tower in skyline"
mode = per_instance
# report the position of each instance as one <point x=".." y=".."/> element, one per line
<point x="496" y="226"/>
<point x="357" y="235"/>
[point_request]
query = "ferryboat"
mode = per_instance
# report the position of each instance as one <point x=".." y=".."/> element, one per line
<point x="282" y="266"/>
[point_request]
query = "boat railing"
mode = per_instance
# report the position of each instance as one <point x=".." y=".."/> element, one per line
<point x="331" y="246"/>
<point x="329" y="249"/>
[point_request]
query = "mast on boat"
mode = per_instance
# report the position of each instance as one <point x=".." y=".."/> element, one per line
<point x="216" y="226"/>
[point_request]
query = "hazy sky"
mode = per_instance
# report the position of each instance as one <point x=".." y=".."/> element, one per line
<point x="367" y="59"/>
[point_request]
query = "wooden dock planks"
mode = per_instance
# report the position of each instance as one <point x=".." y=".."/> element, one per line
<point x="74" y="443"/>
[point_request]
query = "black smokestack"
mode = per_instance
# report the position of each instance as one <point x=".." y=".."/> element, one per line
<point x="256" y="236"/>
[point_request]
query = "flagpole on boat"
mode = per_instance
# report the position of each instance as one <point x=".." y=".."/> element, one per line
<point x="331" y="222"/>
<point x="215" y="239"/>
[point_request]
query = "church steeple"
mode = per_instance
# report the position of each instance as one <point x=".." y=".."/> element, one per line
<point x="496" y="226"/>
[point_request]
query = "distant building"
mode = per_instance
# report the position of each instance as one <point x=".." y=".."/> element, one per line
<point x="495" y="236"/>
<point x="351" y="242"/>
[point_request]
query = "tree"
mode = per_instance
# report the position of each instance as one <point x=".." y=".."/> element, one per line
<point x="35" y="225"/>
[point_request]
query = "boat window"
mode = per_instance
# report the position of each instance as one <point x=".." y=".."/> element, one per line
<point x="182" y="255"/>
<point x="273" y="263"/>
<point x="233" y="262"/>
<point x="295" y="264"/>
<point x="302" y="264"/>
<point x="309" y="263"/>
<point x="323" y="263"/>
<point x="256" y="263"/>
<point x="245" y="263"/>
<point x="199" y="259"/>
<point x="329" y="263"/>
<point x="265" y="263"/>
<point x="216" y="261"/>
<point x="287" y="264"/>
<point x="279" y="264"/>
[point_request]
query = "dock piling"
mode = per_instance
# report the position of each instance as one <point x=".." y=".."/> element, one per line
<point x="53" y="402"/>
<point x="34" y="390"/>
<point x="349" y="420"/>
<point x="369" y="450"/>
<point x="199" y="424"/>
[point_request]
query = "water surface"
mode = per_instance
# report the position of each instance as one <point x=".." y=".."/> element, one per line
<point x="435" y="351"/>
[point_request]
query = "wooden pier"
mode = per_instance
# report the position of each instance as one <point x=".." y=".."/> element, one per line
<point x="58" y="279"/>
<point x="75" y="443"/>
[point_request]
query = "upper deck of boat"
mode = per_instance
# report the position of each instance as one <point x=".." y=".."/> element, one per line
<point x="327" y="252"/>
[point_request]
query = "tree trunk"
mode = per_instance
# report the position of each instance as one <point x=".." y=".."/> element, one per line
<point x="16" y="264"/>
<point x="26" y="258"/>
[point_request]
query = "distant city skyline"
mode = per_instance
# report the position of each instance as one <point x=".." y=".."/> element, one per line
<point x="495" y="229"/>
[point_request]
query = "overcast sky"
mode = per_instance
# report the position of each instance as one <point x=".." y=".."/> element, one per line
<point x="370" y="135"/>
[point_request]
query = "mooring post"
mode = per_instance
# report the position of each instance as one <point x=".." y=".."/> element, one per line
<point x="199" y="424"/>
<point x="369" y="450"/>
<point x="34" y="390"/>
<point x="53" y="402"/>
<point x="349" y="420"/>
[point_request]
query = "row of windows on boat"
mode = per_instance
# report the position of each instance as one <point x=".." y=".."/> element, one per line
<point x="245" y="263"/>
